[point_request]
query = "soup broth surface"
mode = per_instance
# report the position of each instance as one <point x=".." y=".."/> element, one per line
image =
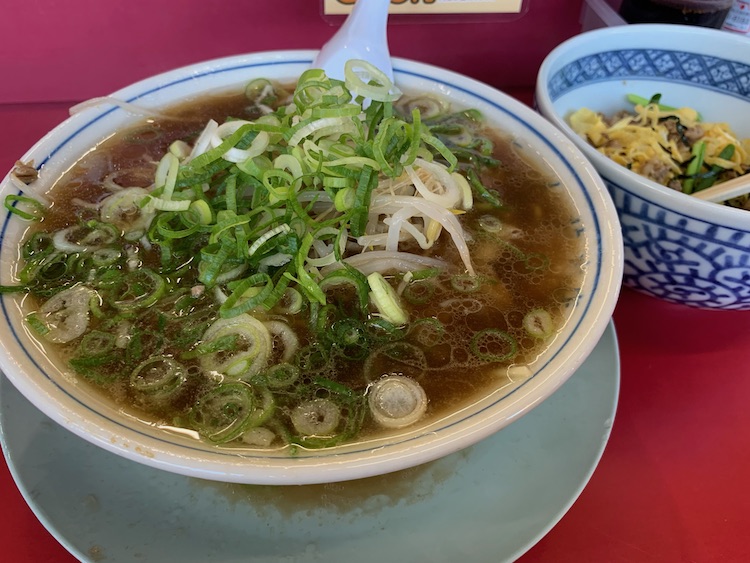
<point x="149" y="308"/>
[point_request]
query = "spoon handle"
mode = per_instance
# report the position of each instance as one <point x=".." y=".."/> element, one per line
<point x="368" y="17"/>
<point x="363" y="35"/>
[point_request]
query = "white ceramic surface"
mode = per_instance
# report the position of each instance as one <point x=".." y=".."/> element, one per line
<point x="363" y="35"/>
<point x="491" y="502"/>
<point x="78" y="410"/>
<point x="677" y="247"/>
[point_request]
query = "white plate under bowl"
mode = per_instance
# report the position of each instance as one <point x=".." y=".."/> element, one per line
<point x="490" y="502"/>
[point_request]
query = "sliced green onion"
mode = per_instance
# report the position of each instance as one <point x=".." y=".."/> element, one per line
<point x="428" y="331"/>
<point x="344" y="199"/>
<point x="104" y="257"/>
<point x="707" y="180"/>
<point x="694" y="167"/>
<point x="318" y="418"/>
<point x="378" y="86"/>
<point x="350" y="337"/>
<point x="492" y="345"/>
<point x="281" y="376"/>
<point x="169" y="205"/>
<point x="418" y="291"/>
<point x="655" y="99"/>
<point x="386" y="300"/>
<point x="244" y="299"/>
<point x="291" y="302"/>
<point x="25" y="207"/>
<point x="216" y="153"/>
<point x="37" y="325"/>
<point x="281" y="229"/>
<point x="136" y="290"/>
<point x="366" y="183"/>
<point x="465" y="283"/>
<point x="538" y="323"/>
<point x="14" y="289"/>
<point x="382" y="330"/>
<point x="307" y="284"/>
<point x="260" y="91"/>
<point x="168" y="180"/>
<point x="489" y="196"/>
<point x="128" y="210"/>
<point x="440" y="147"/>
<point x="96" y="343"/>
<point x="40" y="244"/>
<point x="224" y="413"/>
<point x="158" y="377"/>
<point x="321" y="126"/>
<point x="349" y="276"/>
<point x="202" y="211"/>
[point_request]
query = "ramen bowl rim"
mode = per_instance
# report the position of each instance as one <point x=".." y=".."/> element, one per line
<point x="330" y="465"/>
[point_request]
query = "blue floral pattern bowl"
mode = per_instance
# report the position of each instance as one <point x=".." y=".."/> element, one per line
<point x="677" y="247"/>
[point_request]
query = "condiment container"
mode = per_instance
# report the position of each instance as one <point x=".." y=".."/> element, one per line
<point x="738" y="18"/>
<point x="704" y="13"/>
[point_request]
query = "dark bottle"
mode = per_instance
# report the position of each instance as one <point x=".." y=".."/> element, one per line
<point x="704" y="13"/>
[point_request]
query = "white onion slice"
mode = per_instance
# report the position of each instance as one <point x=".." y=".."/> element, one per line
<point x="124" y="210"/>
<point x="203" y="142"/>
<point x="242" y="363"/>
<point x="319" y="417"/>
<point x="259" y="436"/>
<point x="286" y="336"/>
<point x="397" y="401"/>
<point x="66" y="314"/>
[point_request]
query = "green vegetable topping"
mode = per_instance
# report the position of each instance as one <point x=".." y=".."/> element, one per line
<point x="286" y="278"/>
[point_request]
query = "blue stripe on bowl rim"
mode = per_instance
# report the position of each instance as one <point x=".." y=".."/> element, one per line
<point x="665" y="65"/>
<point x="313" y="455"/>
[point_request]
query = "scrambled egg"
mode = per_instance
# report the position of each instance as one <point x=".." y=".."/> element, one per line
<point x="660" y="143"/>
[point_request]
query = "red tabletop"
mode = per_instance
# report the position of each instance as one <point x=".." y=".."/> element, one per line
<point x="673" y="482"/>
<point x="672" y="485"/>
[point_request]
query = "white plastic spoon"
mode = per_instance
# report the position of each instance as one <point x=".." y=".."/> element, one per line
<point x="362" y="36"/>
<point x="726" y="190"/>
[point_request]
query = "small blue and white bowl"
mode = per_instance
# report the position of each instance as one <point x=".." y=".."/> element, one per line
<point x="677" y="247"/>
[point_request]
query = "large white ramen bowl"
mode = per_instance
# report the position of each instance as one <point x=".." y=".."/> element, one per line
<point x="81" y="411"/>
<point x="677" y="247"/>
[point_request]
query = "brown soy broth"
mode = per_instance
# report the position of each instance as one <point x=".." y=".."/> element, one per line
<point x="132" y="155"/>
<point x="534" y="263"/>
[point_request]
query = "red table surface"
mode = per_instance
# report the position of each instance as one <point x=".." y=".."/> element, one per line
<point x="672" y="485"/>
